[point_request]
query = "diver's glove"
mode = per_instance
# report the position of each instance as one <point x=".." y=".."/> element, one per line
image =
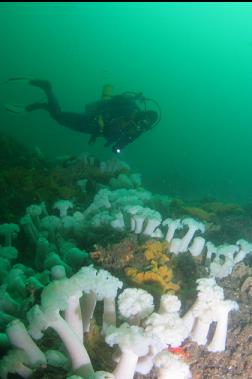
<point x="108" y="143"/>
<point x="116" y="149"/>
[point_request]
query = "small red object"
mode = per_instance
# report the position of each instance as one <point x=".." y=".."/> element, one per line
<point x="178" y="351"/>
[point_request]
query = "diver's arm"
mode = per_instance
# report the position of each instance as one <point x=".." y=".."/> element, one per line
<point x="123" y="142"/>
<point x="92" y="139"/>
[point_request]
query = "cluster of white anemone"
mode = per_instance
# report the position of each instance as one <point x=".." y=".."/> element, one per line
<point x="68" y="304"/>
<point x="126" y="210"/>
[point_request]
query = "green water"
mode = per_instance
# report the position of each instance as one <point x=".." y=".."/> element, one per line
<point x="195" y="59"/>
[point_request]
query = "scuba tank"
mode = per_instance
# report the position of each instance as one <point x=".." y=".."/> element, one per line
<point x="107" y="93"/>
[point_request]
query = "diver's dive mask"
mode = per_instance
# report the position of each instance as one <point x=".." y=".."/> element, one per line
<point x="149" y="118"/>
<point x="146" y="120"/>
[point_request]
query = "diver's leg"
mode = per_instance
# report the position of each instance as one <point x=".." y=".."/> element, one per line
<point x="74" y="121"/>
<point x="70" y="120"/>
<point x="45" y="85"/>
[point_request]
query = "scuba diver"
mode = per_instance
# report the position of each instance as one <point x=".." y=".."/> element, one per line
<point x="120" y="119"/>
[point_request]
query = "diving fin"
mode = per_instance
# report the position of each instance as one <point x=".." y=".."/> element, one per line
<point x="18" y="78"/>
<point x="15" y="108"/>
